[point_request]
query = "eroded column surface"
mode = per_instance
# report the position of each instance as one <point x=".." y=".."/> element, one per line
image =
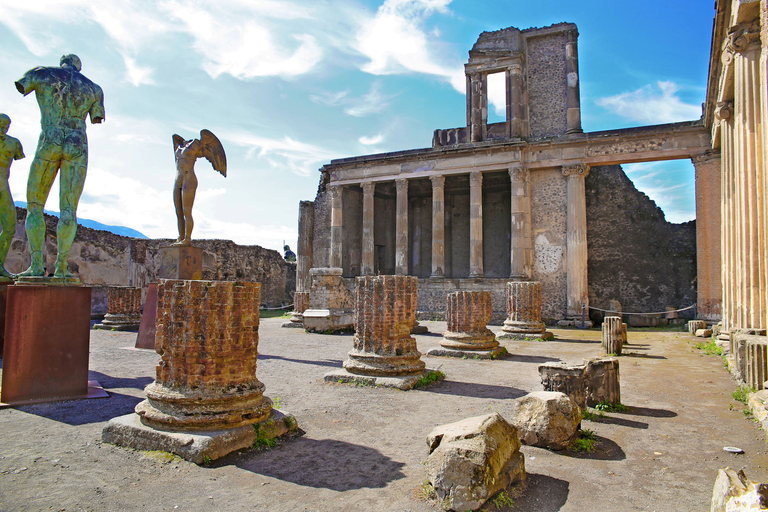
<point x="476" y="224"/>
<point x="385" y="309"/>
<point x="401" y="240"/>
<point x="438" y="226"/>
<point x="123" y="308"/>
<point x="517" y="107"/>
<point x="207" y="338"/>
<point x="467" y="314"/>
<point x="336" y="226"/>
<point x="612" y="338"/>
<point x="524" y="311"/>
<point x="521" y="244"/>
<point x="576" y="239"/>
<point x="572" y="99"/>
<point x="708" y="282"/>
<point x="368" y="189"/>
<point x="304" y="248"/>
<point x="477" y="106"/>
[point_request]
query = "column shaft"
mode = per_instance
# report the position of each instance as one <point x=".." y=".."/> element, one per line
<point x="304" y="247"/>
<point x="521" y="245"/>
<point x="517" y="119"/>
<point x="572" y="99"/>
<point x="478" y="106"/>
<point x="336" y="226"/>
<point x="576" y="238"/>
<point x="401" y="244"/>
<point x="476" y="224"/>
<point x="438" y="226"/>
<point x="709" y="286"/>
<point x="367" y="266"/>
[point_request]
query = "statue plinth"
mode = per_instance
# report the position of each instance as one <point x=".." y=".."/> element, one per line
<point x="181" y="262"/>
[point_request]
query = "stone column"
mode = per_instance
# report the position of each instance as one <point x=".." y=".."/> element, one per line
<point x="524" y="312"/>
<point x="477" y="106"/>
<point x="709" y="286"/>
<point x="728" y="207"/>
<point x="384" y="353"/>
<point x="612" y="338"/>
<point x="304" y="252"/>
<point x="576" y="240"/>
<point x="476" y="224"/>
<point x="336" y="226"/>
<point x="572" y="98"/>
<point x="467" y="315"/>
<point x="438" y="226"/>
<point x="517" y="116"/>
<point x="401" y="243"/>
<point x="521" y="243"/>
<point x="123" y="309"/>
<point x="368" y="189"/>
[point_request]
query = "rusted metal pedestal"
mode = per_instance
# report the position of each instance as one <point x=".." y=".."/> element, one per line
<point x="47" y="335"/>
<point x="147" y="329"/>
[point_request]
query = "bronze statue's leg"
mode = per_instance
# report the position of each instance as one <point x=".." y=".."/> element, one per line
<point x="179" y="210"/>
<point x="72" y="182"/>
<point x="8" y="223"/>
<point x="42" y="172"/>
<point x="188" y="200"/>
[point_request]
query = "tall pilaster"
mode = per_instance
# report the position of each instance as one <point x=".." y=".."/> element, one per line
<point x="368" y="189"/>
<point x="521" y="244"/>
<point x="572" y="98"/>
<point x="336" y="226"/>
<point x="476" y="224"/>
<point x="401" y="241"/>
<point x="728" y="209"/>
<point x="304" y="247"/>
<point x="438" y="226"/>
<point x="576" y="238"/>
<point x="477" y="106"/>
<point x="517" y="115"/>
<point x="709" y="286"/>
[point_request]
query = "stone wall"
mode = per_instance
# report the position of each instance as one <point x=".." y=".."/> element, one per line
<point x="635" y="255"/>
<point x="104" y="259"/>
<point x="547" y="84"/>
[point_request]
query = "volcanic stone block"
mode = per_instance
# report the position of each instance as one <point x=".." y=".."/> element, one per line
<point x="524" y="312"/>
<point x="331" y="304"/>
<point x="467" y="315"/>
<point x="570" y="380"/>
<point x="612" y="335"/>
<point x="123" y="309"/>
<point x="547" y="419"/>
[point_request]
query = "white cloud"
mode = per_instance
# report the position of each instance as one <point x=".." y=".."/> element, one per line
<point x="370" y="103"/>
<point x="371" y="141"/>
<point x="497" y="93"/>
<point x="669" y="184"/>
<point x="652" y="104"/>
<point x="208" y="193"/>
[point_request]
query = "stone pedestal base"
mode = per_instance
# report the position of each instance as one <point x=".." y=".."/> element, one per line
<point x="296" y="321"/>
<point x="324" y="320"/>
<point x="535" y="336"/>
<point x="181" y="262"/>
<point x="119" y="323"/>
<point x="46" y="345"/>
<point x="467" y="354"/>
<point x="195" y="446"/>
<point x="404" y="382"/>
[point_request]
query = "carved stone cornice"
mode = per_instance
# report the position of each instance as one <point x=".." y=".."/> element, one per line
<point x="401" y="184"/>
<point x="475" y="179"/>
<point x="369" y="187"/>
<point x="437" y="181"/>
<point x="576" y="170"/>
<point x="743" y="37"/>
<point x="519" y="174"/>
<point x="723" y="110"/>
<point x="709" y="155"/>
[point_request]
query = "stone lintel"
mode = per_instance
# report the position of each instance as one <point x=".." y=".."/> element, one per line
<point x="195" y="446"/>
<point x="404" y="383"/>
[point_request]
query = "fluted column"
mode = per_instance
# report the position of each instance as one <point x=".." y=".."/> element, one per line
<point x="304" y="247"/>
<point x="477" y="106"/>
<point x="401" y="242"/>
<point x="367" y="266"/>
<point x="576" y="238"/>
<point x="524" y="311"/>
<point x="572" y="98"/>
<point x="476" y="224"/>
<point x="709" y="286"/>
<point x="521" y="244"/>
<point x="336" y="226"/>
<point x="467" y="315"/>
<point x="438" y="226"/>
<point x="723" y="116"/>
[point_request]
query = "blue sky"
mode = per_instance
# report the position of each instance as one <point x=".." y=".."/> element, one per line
<point x="289" y="85"/>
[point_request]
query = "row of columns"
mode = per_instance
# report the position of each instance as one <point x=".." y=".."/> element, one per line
<point x="521" y="243"/>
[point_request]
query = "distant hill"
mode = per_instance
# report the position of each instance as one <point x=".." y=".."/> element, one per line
<point x="118" y="230"/>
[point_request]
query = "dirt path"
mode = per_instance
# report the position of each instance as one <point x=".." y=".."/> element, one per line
<point x="361" y="448"/>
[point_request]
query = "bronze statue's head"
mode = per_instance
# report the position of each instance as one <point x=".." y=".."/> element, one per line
<point x="71" y="60"/>
<point x="5" y="122"/>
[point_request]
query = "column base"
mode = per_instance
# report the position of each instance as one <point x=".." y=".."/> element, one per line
<point x="467" y="354"/>
<point x="119" y="323"/>
<point x="575" y="322"/>
<point x="402" y="382"/>
<point x="374" y="365"/>
<point x="198" y="446"/>
<point x="469" y="341"/>
<point x="419" y="329"/>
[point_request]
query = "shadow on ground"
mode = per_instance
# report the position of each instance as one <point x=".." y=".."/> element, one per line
<point x="650" y="412"/>
<point x="323" y="463"/>
<point x="541" y="494"/>
<point x="613" y="420"/>
<point x="473" y="389"/>
<point x="334" y="363"/>
<point x="605" y="449"/>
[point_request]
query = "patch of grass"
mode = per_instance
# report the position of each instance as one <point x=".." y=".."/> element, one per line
<point x="607" y="407"/>
<point x="585" y="442"/>
<point x="263" y="441"/>
<point x="277" y="403"/>
<point x="710" y="348"/>
<point x="747" y="413"/>
<point x="207" y="460"/>
<point x="427" y="492"/>
<point x="592" y="415"/>
<point x="503" y="500"/>
<point x="274" y="313"/>
<point x="742" y="394"/>
<point x="431" y="377"/>
<point x="503" y="352"/>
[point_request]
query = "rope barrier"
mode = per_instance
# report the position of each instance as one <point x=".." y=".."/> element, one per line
<point x="645" y="314"/>
<point x="275" y="309"/>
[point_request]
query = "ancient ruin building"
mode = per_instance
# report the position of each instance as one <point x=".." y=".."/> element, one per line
<point x="489" y="203"/>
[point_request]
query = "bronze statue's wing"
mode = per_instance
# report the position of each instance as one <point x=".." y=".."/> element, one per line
<point x="178" y="140"/>
<point x="213" y="151"/>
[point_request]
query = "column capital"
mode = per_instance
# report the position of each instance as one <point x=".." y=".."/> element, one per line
<point x="475" y="179"/>
<point x="708" y="156"/>
<point x="519" y="173"/>
<point x="437" y="181"/>
<point x="369" y="187"/>
<point x="723" y="110"/>
<point x="743" y="37"/>
<point x="401" y="184"/>
<point x="576" y="170"/>
<point x="333" y="189"/>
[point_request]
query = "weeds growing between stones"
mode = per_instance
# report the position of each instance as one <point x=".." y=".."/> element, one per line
<point x="431" y="377"/>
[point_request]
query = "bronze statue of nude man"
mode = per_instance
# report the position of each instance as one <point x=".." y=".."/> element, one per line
<point x="10" y="150"/>
<point x="65" y="97"/>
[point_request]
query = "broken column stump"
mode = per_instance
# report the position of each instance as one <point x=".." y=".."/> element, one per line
<point x="756" y="362"/>
<point x="123" y="309"/>
<point x="524" y="312"/>
<point x="467" y="315"/>
<point x="300" y="304"/>
<point x="593" y="382"/>
<point x="695" y="325"/>
<point x="570" y="380"/>
<point x="206" y="400"/>
<point x="612" y="335"/>
<point x="331" y="304"/>
<point x="384" y="353"/>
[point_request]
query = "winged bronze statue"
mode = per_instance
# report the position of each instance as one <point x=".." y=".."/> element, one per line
<point x="186" y="153"/>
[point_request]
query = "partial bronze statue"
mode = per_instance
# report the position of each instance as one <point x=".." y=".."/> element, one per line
<point x="187" y="152"/>
<point x="10" y="150"/>
<point x="65" y="97"/>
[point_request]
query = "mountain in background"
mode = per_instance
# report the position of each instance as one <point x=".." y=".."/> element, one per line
<point x="118" y="230"/>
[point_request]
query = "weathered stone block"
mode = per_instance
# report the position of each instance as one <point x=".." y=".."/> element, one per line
<point x="602" y="381"/>
<point x="613" y="338"/>
<point x="570" y="380"/>
<point x="471" y="460"/>
<point x="695" y="325"/>
<point x="703" y="333"/>
<point x="524" y="311"/>
<point x="331" y="304"/>
<point x="547" y="419"/>
<point x="733" y="492"/>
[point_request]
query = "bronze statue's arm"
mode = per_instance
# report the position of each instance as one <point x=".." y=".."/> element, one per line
<point x="97" y="109"/>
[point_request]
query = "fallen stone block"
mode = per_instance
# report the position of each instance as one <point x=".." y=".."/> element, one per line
<point x="471" y="460"/>
<point x="695" y="325"/>
<point x="703" y="333"/>
<point x="548" y="419"/>
<point x="570" y="380"/>
<point x="733" y="492"/>
<point x="602" y="375"/>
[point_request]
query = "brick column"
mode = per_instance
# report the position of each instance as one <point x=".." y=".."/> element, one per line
<point x="123" y="309"/>
<point x="467" y="315"/>
<point x="521" y="243"/>
<point x="708" y="283"/>
<point x="368" y="189"/>
<point x="476" y="224"/>
<point x="401" y="241"/>
<point x="438" y="226"/>
<point x="576" y="239"/>
<point x="572" y="98"/>
<point x="336" y="226"/>
<point x="524" y="311"/>
<point x="207" y="338"/>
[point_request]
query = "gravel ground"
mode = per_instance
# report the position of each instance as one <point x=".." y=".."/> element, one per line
<point x="361" y="448"/>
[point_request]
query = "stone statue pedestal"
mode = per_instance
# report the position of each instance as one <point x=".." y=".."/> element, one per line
<point x="331" y="304"/>
<point x="181" y="262"/>
<point x="3" y="299"/>
<point x="147" y="329"/>
<point x="46" y="347"/>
